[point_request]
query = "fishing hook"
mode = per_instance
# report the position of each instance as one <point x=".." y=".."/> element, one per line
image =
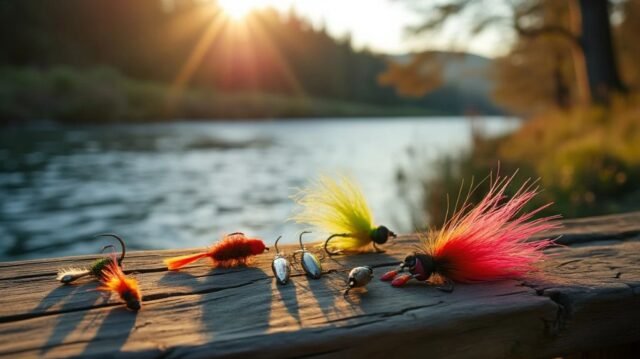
<point x="122" y="244"/>
<point x="276" y="245"/>
<point x="300" y="238"/>
<point x="302" y="249"/>
<point x="326" y="242"/>
<point x="310" y="263"/>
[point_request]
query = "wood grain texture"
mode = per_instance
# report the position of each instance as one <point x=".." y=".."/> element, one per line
<point x="587" y="296"/>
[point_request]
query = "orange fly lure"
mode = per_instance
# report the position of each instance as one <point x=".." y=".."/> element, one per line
<point x="233" y="250"/>
<point x="115" y="281"/>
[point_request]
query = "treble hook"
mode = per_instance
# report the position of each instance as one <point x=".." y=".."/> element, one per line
<point x="124" y="246"/>
<point x="326" y="242"/>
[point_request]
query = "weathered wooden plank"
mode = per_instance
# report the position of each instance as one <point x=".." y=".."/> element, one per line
<point x="588" y="296"/>
<point x="574" y="231"/>
<point x="611" y="227"/>
<point x="22" y="297"/>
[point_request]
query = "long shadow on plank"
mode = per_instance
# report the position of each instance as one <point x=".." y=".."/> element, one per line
<point x="328" y="290"/>
<point x="66" y="323"/>
<point x="114" y="331"/>
<point x="289" y="298"/>
<point x="231" y="300"/>
<point x="54" y="297"/>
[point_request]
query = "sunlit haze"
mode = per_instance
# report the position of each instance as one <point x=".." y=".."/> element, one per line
<point x="237" y="10"/>
<point x="378" y="25"/>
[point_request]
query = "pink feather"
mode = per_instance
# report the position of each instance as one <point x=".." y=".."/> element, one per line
<point x="491" y="241"/>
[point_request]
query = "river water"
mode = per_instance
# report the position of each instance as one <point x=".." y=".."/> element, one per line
<point x="185" y="184"/>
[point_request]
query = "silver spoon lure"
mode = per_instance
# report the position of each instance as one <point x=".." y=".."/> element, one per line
<point x="280" y="266"/>
<point x="310" y="263"/>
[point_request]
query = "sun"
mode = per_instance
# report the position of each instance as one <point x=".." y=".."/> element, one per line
<point x="239" y="9"/>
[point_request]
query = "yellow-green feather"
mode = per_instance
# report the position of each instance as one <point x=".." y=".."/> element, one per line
<point x="336" y="206"/>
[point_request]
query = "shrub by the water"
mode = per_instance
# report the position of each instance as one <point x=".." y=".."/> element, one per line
<point x="587" y="161"/>
<point x="102" y="95"/>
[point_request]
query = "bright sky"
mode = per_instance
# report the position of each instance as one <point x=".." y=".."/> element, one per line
<point x="380" y="25"/>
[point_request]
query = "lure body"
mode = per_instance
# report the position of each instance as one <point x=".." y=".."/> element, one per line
<point x="114" y="281"/>
<point x="359" y="277"/>
<point x="233" y="250"/>
<point x="487" y="243"/>
<point x="68" y="275"/>
<point x="311" y="265"/>
<point x="280" y="266"/>
<point x="339" y="207"/>
<point x="281" y="269"/>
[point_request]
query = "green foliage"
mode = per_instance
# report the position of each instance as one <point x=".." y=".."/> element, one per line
<point x="587" y="161"/>
<point x="104" y="95"/>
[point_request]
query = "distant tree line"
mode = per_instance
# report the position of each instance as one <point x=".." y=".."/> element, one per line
<point x="191" y="45"/>
<point x="566" y="53"/>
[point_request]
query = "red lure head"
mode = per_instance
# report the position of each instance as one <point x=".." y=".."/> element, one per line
<point x="256" y="246"/>
<point x="422" y="266"/>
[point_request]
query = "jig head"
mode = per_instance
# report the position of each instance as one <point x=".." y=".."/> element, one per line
<point x="69" y="275"/>
<point x="420" y="267"/>
<point x="310" y="263"/>
<point x="280" y="266"/>
<point x="378" y="235"/>
<point x="359" y="277"/>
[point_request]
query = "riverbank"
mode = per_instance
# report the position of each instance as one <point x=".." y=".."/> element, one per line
<point x="102" y="95"/>
<point x="587" y="161"/>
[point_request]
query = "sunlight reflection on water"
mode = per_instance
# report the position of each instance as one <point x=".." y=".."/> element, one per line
<point x="185" y="184"/>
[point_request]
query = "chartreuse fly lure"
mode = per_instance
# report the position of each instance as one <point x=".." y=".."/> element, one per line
<point x="68" y="275"/>
<point x="488" y="242"/>
<point x="339" y="207"/>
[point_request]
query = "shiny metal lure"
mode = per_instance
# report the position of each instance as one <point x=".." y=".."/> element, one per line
<point x="359" y="277"/>
<point x="280" y="266"/>
<point x="310" y="263"/>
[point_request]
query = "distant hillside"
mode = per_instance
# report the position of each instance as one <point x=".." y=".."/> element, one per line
<point x="467" y="83"/>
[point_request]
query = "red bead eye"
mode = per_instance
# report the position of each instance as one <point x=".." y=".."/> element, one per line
<point x="389" y="275"/>
<point x="400" y="281"/>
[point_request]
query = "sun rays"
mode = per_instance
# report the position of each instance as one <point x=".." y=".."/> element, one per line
<point x="240" y="27"/>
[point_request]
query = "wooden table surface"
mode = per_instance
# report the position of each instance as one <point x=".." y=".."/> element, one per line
<point x="586" y="297"/>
